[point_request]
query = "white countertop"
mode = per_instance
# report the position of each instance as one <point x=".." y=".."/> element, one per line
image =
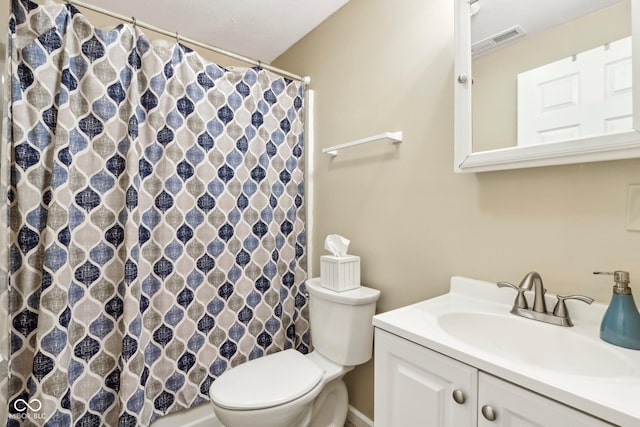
<point x="614" y="399"/>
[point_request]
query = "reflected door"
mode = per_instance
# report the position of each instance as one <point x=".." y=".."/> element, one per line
<point x="585" y="95"/>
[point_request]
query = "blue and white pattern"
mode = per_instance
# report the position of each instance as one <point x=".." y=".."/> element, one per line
<point x="156" y="231"/>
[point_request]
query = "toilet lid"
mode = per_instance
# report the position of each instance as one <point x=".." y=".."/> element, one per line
<point x="267" y="381"/>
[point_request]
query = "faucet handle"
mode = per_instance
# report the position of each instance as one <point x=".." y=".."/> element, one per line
<point x="521" y="300"/>
<point x="560" y="310"/>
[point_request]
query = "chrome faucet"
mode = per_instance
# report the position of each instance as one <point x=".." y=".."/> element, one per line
<point x="533" y="281"/>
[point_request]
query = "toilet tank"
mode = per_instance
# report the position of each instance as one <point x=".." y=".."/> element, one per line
<point x="341" y="328"/>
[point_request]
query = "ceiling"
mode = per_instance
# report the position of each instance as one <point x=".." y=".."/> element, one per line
<point x="533" y="16"/>
<point x="261" y="30"/>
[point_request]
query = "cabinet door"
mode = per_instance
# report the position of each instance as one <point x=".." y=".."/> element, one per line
<point x="414" y="386"/>
<point x="514" y="406"/>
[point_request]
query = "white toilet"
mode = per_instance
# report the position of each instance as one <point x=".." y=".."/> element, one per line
<point x="289" y="389"/>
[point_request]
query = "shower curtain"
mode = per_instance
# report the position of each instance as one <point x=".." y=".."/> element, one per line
<point x="155" y="234"/>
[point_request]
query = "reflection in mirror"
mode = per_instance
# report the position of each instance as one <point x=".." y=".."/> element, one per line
<point x="534" y="62"/>
<point x="586" y="94"/>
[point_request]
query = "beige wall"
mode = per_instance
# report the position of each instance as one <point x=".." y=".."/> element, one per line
<point x="381" y="65"/>
<point x="495" y="74"/>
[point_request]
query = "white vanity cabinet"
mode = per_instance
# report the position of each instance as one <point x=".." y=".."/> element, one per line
<point x="416" y="386"/>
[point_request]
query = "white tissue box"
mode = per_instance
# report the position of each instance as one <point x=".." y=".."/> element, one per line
<point x="340" y="273"/>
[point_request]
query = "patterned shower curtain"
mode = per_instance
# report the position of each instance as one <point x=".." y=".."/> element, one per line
<point x="155" y="221"/>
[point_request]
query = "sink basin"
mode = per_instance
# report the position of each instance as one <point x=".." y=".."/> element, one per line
<point x="548" y="347"/>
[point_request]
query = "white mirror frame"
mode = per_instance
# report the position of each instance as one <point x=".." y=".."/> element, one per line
<point x="622" y="145"/>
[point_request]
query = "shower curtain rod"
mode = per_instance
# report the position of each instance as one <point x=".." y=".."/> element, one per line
<point x="305" y="79"/>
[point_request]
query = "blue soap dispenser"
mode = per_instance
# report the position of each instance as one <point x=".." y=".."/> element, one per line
<point x="621" y="322"/>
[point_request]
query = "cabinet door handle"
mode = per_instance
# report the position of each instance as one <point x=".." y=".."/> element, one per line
<point x="489" y="413"/>
<point x="458" y="396"/>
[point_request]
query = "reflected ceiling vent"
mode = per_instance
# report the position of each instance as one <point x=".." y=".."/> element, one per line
<point x="490" y="43"/>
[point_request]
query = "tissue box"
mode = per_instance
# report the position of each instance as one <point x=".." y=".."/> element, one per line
<point x="340" y="273"/>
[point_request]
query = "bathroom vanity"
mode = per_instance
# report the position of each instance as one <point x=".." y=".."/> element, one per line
<point x="462" y="359"/>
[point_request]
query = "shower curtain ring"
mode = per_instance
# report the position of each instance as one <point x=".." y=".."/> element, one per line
<point x="259" y="65"/>
<point x="177" y="38"/>
<point x="133" y="21"/>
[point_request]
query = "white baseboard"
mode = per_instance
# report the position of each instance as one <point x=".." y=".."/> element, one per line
<point x="356" y="418"/>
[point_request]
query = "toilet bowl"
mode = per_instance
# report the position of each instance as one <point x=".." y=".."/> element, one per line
<point x="289" y="389"/>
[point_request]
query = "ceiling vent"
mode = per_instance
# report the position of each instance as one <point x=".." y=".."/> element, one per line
<point x="490" y="43"/>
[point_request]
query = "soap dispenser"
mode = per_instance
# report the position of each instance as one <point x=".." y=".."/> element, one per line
<point x="621" y="322"/>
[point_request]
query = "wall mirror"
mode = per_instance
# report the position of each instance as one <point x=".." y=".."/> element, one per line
<point x="545" y="82"/>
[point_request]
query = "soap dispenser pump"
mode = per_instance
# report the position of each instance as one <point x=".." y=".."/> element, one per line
<point x="621" y="322"/>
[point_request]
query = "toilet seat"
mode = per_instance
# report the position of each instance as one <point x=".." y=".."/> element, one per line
<point x="266" y="382"/>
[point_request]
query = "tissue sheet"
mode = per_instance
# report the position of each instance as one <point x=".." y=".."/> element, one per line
<point x="337" y="245"/>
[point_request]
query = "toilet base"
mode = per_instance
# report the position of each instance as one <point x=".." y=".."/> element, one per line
<point x="331" y="406"/>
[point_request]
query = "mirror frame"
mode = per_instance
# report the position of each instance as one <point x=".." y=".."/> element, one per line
<point x="622" y="145"/>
